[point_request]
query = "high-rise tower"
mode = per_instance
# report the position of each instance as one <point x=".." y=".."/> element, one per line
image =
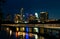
<point x="21" y="12"/>
<point x="43" y="16"/>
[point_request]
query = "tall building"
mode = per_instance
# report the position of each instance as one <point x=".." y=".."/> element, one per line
<point x="21" y="12"/>
<point x="31" y="18"/>
<point x="17" y="18"/>
<point x="43" y="16"/>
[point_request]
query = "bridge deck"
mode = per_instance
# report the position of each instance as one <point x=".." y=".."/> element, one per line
<point x="54" y="26"/>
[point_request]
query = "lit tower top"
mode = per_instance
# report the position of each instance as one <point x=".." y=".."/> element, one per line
<point x="21" y="12"/>
<point x="42" y="12"/>
<point x="36" y="14"/>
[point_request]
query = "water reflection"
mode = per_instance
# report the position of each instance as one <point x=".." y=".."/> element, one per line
<point x="28" y="33"/>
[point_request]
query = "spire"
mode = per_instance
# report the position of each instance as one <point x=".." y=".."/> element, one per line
<point x="21" y="12"/>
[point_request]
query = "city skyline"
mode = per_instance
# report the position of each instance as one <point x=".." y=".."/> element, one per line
<point x="32" y="6"/>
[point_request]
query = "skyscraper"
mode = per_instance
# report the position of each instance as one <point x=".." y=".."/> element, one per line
<point x="17" y="18"/>
<point x="21" y="12"/>
<point x="43" y="16"/>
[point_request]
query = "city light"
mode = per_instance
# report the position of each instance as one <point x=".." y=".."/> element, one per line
<point x="27" y="29"/>
<point x="16" y="34"/>
<point x="10" y="32"/>
<point x="7" y="29"/>
<point x="36" y="14"/>
<point x="27" y="36"/>
<point x="22" y="29"/>
<point x="36" y="36"/>
<point x="41" y="37"/>
<point x="30" y="34"/>
<point x="17" y="29"/>
<point x="24" y="34"/>
<point x="36" y="30"/>
<point x="20" y="33"/>
<point x="25" y="22"/>
<point x="42" y="12"/>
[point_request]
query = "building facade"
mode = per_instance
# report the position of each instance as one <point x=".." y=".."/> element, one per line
<point x="43" y="16"/>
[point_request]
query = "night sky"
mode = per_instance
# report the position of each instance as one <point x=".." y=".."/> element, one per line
<point x="32" y="6"/>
